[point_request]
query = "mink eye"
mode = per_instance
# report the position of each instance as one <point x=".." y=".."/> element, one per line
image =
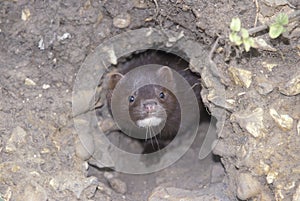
<point x="162" y="95"/>
<point x="131" y="99"/>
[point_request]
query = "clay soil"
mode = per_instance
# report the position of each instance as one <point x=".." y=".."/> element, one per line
<point x="42" y="47"/>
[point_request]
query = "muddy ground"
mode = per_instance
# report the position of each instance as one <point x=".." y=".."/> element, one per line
<point x="44" y="44"/>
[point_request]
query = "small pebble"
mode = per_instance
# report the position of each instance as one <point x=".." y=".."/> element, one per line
<point x="29" y="82"/>
<point x="142" y="4"/>
<point x="25" y="14"/>
<point x="108" y="175"/>
<point x="118" y="185"/>
<point x="104" y="189"/>
<point x="46" y="86"/>
<point x="122" y="20"/>
<point x="247" y="186"/>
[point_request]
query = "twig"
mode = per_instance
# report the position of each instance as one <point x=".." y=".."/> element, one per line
<point x="156" y="5"/>
<point x="292" y="17"/>
<point x="257" y="11"/>
<point x="214" y="47"/>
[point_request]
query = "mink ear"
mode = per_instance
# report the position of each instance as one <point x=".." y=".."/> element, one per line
<point x="165" y="73"/>
<point x="113" y="79"/>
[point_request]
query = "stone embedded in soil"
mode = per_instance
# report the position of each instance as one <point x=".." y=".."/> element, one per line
<point x="284" y="121"/>
<point x="298" y="127"/>
<point x="292" y="87"/>
<point x="32" y="192"/>
<point x="25" y="14"/>
<point x="268" y="65"/>
<point x="271" y="176"/>
<point x="45" y="86"/>
<point x="118" y="185"/>
<point x="108" y="175"/>
<point x="84" y="145"/>
<point x="142" y="4"/>
<point x="18" y="138"/>
<point x="82" y="151"/>
<point x="260" y="43"/>
<point x="252" y="121"/>
<point x="107" y="124"/>
<point x="29" y="82"/>
<point x="223" y="149"/>
<point x="263" y="86"/>
<point x="176" y="194"/>
<point x="275" y="3"/>
<point x="104" y="189"/>
<point x="240" y="76"/>
<point x="70" y="181"/>
<point x="217" y="173"/>
<point x="247" y="186"/>
<point x="111" y="55"/>
<point x="296" y="196"/>
<point x="122" y="20"/>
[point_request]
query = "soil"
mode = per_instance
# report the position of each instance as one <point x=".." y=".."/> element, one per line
<point x="43" y="45"/>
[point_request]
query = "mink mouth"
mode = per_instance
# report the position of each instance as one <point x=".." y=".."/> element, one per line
<point x="144" y="116"/>
<point x="149" y="122"/>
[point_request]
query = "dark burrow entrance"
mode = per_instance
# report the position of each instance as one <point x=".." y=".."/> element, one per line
<point x="189" y="172"/>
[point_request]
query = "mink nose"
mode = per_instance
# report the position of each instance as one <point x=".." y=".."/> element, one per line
<point x="150" y="105"/>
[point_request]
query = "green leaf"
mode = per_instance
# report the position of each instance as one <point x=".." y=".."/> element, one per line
<point x="232" y="37"/>
<point x="248" y="43"/>
<point x="282" y="19"/>
<point x="244" y="33"/>
<point x="235" y="38"/>
<point x="276" y="30"/>
<point x="235" y="24"/>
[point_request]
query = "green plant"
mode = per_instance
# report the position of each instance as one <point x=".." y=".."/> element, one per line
<point x="277" y="27"/>
<point x="239" y="35"/>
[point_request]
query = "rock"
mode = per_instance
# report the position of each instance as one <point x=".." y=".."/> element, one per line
<point x="16" y="140"/>
<point x="252" y="121"/>
<point x="45" y="86"/>
<point x="185" y="8"/>
<point x="122" y="20"/>
<point x="104" y="189"/>
<point x="263" y="86"/>
<point x="222" y="149"/>
<point x="197" y="13"/>
<point x="176" y="194"/>
<point x="298" y="127"/>
<point x="25" y="14"/>
<point x="41" y="44"/>
<point x="271" y="176"/>
<point x="292" y="87"/>
<point x="275" y="3"/>
<point x="118" y="185"/>
<point x="70" y="181"/>
<point x="29" y="82"/>
<point x="33" y="192"/>
<point x="107" y="124"/>
<point x="247" y="186"/>
<point x="64" y="36"/>
<point x="90" y="191"/>
<point x="296" y="196"/>
<point x="85" y="144"/>
<point x="240" y="76"/>
<point x="217" y="173"/>
<point x="142" y="4"/>
<point x="260" y="43"/>
<point x="111" y="55"/>
<point x="81" y="103"/>
<point x="268" y="65"/>
<point x="82" y="151"/>
<point x="108" y="175"/>
<point x="285" y="122"/>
